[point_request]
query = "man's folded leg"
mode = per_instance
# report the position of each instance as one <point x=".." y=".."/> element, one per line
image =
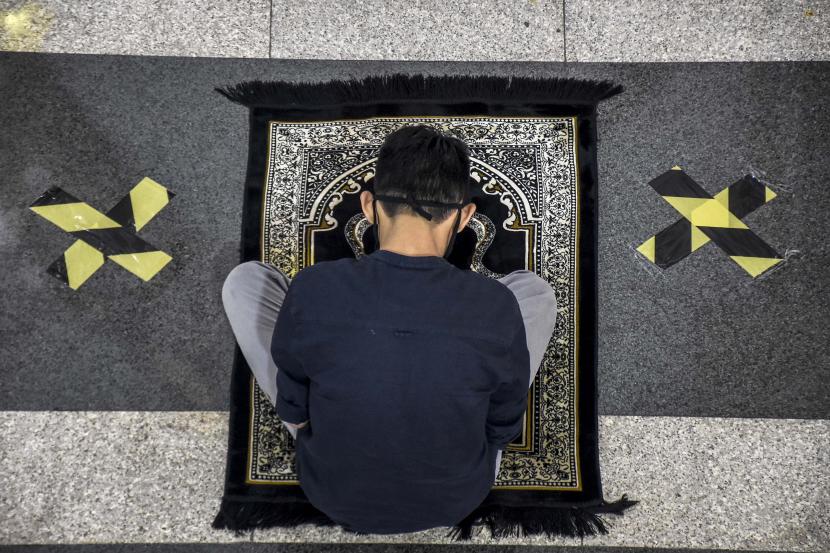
<point x="252" y="294"/>
<point x="537" y="302"/>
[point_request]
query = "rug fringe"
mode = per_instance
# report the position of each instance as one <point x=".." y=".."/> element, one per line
<point x="572" y="521"/>
<point x="402" y="86"/>
<point x="242" y="516"/>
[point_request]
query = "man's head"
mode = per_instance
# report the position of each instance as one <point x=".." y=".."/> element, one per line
<point x="429" y="165"/>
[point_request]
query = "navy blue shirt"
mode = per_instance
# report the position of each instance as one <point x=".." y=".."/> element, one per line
<point x="411" y="373"/>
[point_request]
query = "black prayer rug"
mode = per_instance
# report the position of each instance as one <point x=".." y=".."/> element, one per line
<point x="312" y="150"/>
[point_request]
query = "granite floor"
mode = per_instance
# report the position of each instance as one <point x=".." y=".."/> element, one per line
<point x="714" y="398"/>
<point x="405" y="30"/>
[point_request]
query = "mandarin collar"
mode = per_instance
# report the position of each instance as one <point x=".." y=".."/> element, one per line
<point x="402" y="260"/>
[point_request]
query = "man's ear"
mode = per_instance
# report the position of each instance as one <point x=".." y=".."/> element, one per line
<point x="466" y="214"/>
<point x="366" y="205"/>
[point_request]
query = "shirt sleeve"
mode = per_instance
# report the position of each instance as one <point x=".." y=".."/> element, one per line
<point x="292" y="382"/>
<point x="509" y="401"/>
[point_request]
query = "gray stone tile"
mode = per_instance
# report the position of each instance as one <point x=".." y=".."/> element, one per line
<point x="717" y="483"/>
<point x="176" y="473"/>
<point x="110" y="476"/>
<point x="696" y="30"/>
<point x="58" y="483"/>
<point x="494" y="30"/>
<point x="156" y="477"/>
<point x="418" y="30"/>
<point x="139" y="27"/>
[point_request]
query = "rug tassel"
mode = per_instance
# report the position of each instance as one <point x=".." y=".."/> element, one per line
<point x="575" y="521"/>
<point x="402" y="86"/>
<point x="242" y="516"/>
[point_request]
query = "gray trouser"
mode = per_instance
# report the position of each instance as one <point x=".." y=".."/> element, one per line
<point x="253" y="292"/>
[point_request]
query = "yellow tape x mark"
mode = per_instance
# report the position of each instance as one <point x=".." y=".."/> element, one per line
<point x="708" y="218"/>
<point x="107" y="235"/>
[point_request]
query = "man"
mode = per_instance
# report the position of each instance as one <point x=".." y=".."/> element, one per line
<point x="400" y="376"/>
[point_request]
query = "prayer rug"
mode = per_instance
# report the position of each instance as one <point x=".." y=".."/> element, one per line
<point x="312" y="150"/>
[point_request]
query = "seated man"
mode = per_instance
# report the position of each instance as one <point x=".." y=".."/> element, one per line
<point x="400" y="376"/>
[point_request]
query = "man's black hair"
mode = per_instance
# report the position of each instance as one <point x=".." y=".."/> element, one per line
<point x="422" y="160"/>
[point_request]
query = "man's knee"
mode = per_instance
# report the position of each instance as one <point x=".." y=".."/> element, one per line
<point x="238" y="277"/>
<point x="544" y="295"/>
<point x="547" y="295"/>
<point x="537" y="286"/>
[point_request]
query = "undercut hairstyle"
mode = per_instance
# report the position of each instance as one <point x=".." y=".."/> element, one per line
<point x="433" y="165"/>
